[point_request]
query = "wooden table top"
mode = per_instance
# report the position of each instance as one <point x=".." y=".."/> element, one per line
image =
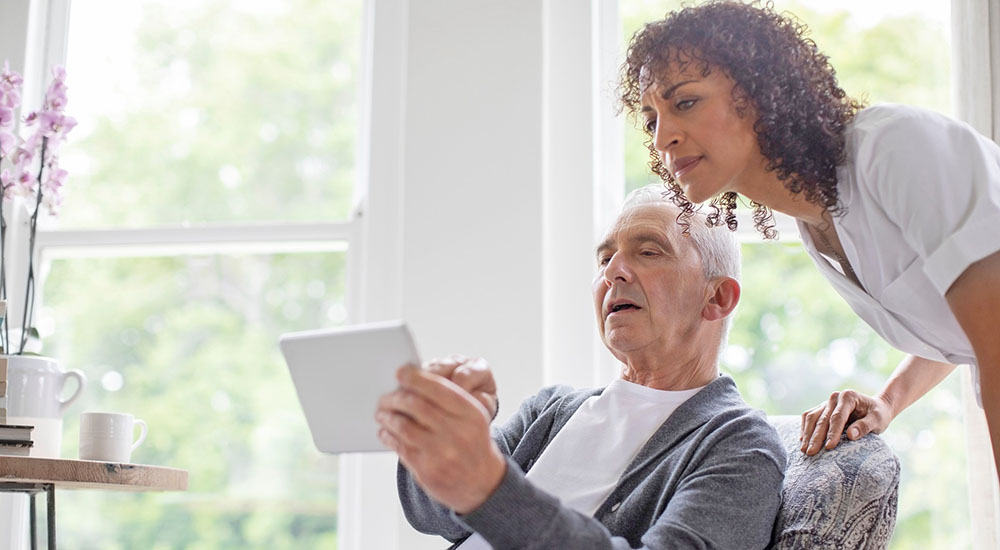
<point x="91" y="474"/>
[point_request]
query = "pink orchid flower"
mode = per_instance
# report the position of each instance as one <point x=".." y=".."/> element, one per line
<point x="10" y="79"/>
<point x="55" y="123"/>
<point x="6" y="116"/>
<point x="52" y="203"/>
<point x="10" y="99"/>
<point x="59" y="73"/>
<point x="31" y="145"/>
<point x="55" y="97"/>
<point x="7" y="142"/>
<point x="25" y="182"/>
<point x="24" y="154"/>
<point x="56" y="178"/>
<point x="7" y="184"/>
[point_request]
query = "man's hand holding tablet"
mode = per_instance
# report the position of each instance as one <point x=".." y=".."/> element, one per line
<point x="446" y="406"/>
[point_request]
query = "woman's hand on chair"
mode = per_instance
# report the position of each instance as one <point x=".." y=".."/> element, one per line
<point x="823" y="425"/>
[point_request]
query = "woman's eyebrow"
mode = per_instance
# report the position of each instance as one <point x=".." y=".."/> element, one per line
<point x="666" y="94"/>
<point x="670" y="91"/>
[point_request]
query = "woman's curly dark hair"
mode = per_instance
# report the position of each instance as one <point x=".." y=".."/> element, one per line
<point x="802" y="111"/>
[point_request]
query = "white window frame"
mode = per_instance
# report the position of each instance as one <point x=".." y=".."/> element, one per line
<point x="37" y="39"/>
<point x="34" y="36"/>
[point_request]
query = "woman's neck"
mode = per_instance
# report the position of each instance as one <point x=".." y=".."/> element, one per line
<point x="768" y="190"/>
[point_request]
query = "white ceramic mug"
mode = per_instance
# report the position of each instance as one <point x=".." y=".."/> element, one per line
<point x="108" y="437"/>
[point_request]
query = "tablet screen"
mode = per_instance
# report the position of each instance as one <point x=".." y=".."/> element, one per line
<point x="340" y="373"/>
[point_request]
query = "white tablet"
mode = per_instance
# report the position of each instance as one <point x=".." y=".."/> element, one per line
<point x="340" y="373"/>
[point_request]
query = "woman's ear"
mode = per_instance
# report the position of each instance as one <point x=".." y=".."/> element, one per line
<point x="725" y="294"/>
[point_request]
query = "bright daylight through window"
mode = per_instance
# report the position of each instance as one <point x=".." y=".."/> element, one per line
<point x="194" y="113"/>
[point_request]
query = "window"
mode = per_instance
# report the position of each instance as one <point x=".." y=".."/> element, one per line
<point x="196" y="112"/>
<point x="211" y="180"/>
<point x="794" y="339"/>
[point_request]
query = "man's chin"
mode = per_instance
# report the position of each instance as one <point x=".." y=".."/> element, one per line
<point x="620" y="344"/>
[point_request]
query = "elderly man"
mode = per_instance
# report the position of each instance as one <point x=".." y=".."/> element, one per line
<point x="666" y="456"/>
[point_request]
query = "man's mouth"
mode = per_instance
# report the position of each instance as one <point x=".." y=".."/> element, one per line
<point x="617" y="306"/>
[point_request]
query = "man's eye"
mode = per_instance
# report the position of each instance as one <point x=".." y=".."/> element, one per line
<point x="603" y="260"/>
<point x="685" y="104"/>
<point x="649" y="253"/>
<point x="650" y="125"/>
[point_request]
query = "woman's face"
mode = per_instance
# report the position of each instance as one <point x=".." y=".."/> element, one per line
<point x="707" y="146"/>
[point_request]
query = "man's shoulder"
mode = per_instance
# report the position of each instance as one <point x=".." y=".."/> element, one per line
<point x="734" y="425"/>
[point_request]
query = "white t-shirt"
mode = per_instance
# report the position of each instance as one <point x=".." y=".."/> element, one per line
<point x="922" y="198"/>
<point x="585" y="460"/>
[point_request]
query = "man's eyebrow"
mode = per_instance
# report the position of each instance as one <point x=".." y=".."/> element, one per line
<point x="646" y="236"/>
<point x="654" y="238"/>
<point x="605" y="245"/>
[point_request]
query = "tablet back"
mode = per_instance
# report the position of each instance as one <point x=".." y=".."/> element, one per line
<point x="340" y="373"/>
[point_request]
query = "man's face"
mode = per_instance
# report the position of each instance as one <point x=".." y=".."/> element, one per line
<point x="649" y="290"/>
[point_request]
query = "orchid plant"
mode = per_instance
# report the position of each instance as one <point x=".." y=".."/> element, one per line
<point x="29" y="169"/>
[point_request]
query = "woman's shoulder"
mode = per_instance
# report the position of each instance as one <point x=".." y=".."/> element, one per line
<point x="887" y="120"/>
<point x="889" y="135"/>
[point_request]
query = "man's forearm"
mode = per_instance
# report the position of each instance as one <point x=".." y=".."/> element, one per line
<point x="423" y="513"/>
<point x="914" y="377"/>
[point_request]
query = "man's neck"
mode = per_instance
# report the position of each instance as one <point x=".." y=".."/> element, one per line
<point x="673" y="376"/>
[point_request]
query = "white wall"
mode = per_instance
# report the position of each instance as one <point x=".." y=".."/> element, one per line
<point x="472" y="281"/>
<point x="481" y="215"/>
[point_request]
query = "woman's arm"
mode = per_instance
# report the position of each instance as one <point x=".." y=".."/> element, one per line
<point x="974" y="298"/>
<point x="824" y="424"/>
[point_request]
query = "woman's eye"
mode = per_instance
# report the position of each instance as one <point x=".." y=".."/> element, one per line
<point x="650" y="125"/>
<point x="685" y="104"/>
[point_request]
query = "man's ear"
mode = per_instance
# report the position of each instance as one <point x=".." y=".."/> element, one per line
<point x="725" y="294"/>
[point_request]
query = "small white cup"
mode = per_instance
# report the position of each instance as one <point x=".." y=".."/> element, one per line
<point x="108" y="437"/>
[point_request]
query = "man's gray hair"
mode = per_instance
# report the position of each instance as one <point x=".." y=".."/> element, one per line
<point x="717" y="246"/>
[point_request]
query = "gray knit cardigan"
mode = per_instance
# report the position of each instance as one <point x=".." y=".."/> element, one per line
<point x="709" y="477"/>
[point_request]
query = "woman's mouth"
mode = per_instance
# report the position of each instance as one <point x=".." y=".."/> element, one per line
<point x="684" y="165"/>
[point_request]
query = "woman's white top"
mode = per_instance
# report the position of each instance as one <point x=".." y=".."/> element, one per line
<point x="584" y="461"/>
<point x="922" y="198"/>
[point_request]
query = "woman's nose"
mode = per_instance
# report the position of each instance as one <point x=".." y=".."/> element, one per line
<point x="666" y="136"/>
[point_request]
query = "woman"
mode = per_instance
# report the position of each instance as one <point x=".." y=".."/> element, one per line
<point x="898" y="207"/>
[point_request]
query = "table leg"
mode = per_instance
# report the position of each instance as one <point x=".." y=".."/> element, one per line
<point x="34" y="522"/>
<point x="50" y="490"/>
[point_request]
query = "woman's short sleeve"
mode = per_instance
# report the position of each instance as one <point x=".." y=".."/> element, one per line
<point x="938" y="180"/>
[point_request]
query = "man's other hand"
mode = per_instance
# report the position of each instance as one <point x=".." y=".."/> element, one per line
<point x="442" y="436"/>
<point x="472" y="375"/>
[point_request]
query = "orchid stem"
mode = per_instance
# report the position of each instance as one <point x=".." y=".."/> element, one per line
<point x="29" y="287"/>
<point x="4" y="337"/>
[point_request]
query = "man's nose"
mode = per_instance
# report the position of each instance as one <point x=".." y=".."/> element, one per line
<point x="617" y="270"/>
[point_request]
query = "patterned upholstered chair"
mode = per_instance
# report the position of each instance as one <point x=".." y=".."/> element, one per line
<point x="842" y="499"/>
